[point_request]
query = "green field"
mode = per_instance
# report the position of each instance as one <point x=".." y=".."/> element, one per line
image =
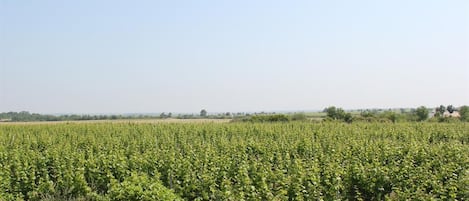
<point x="235" y="161"/>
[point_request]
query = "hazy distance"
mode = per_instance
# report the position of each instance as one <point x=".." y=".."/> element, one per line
<point x="182" y="56"/>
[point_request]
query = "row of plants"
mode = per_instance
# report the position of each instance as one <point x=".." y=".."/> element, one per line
<point x="236" y="161"/>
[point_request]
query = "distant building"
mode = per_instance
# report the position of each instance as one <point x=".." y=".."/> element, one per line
<point x="454" y="114"/>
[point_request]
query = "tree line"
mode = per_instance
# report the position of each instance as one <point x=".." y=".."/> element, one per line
<point x="422" y="113"/>
<point x="332" y="113"/>
<point x="26" y="116"/>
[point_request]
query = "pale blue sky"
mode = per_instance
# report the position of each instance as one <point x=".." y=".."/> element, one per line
<point x="111" y="56"/>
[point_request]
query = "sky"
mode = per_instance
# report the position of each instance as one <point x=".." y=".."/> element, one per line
<point x="180" y="56"/>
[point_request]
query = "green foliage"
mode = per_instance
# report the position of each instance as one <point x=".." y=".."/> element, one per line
<point x="421" y="113"/>
<point x="333" y="112"/>
<point x="368" y="114"/>
<point x="164" y="115"/>
<point x="237" y="161"/>
<point x="391" y="116"/>
<point x="299" y="117"/>
<point x="25" y="116"/>
<point x="338" y="114"/>
<point x="265" y="118"/>
<point x="441" y="110"/>
<point x="203" y="113"/>
<point x="450" y="108"/>
<point x="464" y="112"/>
<point x="139" y="187"/>
<point x="445" y="120"/>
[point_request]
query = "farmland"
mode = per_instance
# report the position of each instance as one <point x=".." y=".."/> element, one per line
<point x="234" y="161"/>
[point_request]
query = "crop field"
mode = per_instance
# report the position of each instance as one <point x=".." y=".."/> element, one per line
<point x="234" y="161"/>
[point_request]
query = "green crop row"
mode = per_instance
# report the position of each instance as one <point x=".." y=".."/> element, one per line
<point x="235" y="161"/>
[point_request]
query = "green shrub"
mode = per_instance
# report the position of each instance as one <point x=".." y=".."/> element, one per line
<point x="140" y="187"/>
<point x="265" y="118"/>
<point x="298" y="117"/>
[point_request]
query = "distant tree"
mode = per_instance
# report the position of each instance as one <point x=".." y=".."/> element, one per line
<point x="268" y="118"/>
<point x="422" y="113"/>
<point x="367" y="114"/>
<point x="402" y="110"/>
<point x="331" y="112"/>
<point x="348" y="117"/>
<point x="338" y="114"/>
<point x="392" y="116"/>
<point x="450" y="109"/>
<point x="441" y="110"/>
<point x="203" y="113"/>
<point x="169" y="115"/>
<point x="299" y="117"/>
<point x="162" y="115"/>
<point x="464" y="112"/>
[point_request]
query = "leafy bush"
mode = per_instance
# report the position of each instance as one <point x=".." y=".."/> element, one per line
<point x="140" y="187"/>
<point x="338" y="114"/>
<point x="264" y="118"/>
<point x="298" y="117"/>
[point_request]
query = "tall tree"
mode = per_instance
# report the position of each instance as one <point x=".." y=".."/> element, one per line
<point x="331" y="112"/>
<point x="203" y="113"/>
<point x="422" y="113"/>
<point x="464" y="112"/>
<point x="441" y="110"/>
<point x="338" y="114"/>
<point x="450" y="109"/>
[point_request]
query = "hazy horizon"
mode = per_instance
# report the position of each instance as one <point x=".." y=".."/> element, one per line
<point x="158" y="113"/>
<point x="97" y="57"/>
